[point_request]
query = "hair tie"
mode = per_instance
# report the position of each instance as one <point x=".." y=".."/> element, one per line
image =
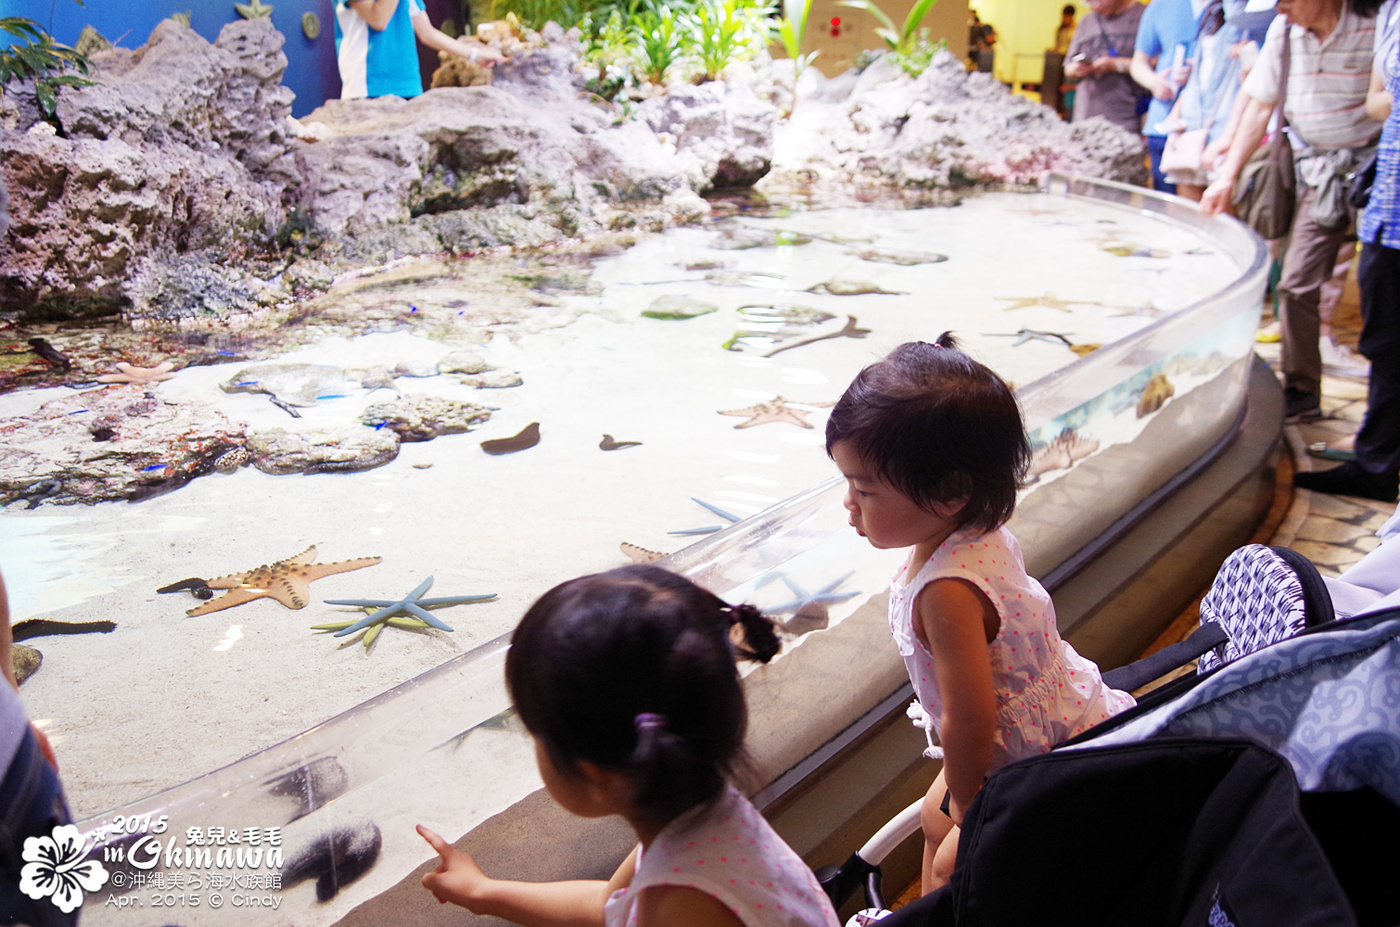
<point x="646" y="719"/>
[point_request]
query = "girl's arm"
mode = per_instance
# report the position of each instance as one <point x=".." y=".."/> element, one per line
<point x="957" y="622"/>
<point x="471" y="49"/>
<point x="375" y="12"/>
<point x="459" y="879"/>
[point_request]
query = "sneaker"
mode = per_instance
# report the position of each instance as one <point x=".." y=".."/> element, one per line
<point x="1300" y="406"/>
<point x="1341" y="361"/>
<point x="1349" y="480"/>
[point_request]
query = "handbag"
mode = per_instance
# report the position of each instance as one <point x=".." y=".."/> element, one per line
<point x="1360" y="182"/>
<point x="1183" y="151"/>
<point x="1266" y="192"/>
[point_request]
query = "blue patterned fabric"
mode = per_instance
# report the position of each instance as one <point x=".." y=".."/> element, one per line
<point x="1380" y="223"/>
<point x="1328" y="701"/>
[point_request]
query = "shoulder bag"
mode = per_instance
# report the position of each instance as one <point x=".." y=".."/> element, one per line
<point x="1267" y="189"/>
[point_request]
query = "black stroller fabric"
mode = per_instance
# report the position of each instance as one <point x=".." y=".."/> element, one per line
<point x="1164" y="832"/>
<point x="1187" y="810"/>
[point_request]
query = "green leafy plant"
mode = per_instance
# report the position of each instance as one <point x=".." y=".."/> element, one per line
<point x="790" y="30"/>
<point x="919" y="56"/>
<point x="36" y="56"/>
<point x="900" y="40"/>
<point x="727" y="31"/>
<point x="661" y="41"/>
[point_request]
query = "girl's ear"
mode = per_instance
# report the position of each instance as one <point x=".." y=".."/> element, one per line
<point x="950" y="510"/>
<point x="608" y="788"/>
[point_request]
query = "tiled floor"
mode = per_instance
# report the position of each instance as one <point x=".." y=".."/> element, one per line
<point x="1332" y="531"/>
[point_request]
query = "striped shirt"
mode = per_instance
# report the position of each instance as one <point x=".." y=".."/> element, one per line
<point x="1327" y="80"/>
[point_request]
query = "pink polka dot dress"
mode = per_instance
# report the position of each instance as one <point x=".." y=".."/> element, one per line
<point x="729" y="852"/>
<point x="1046" y="692"/>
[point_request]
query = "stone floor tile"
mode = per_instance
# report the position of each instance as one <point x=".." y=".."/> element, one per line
<point x="1327" y="555"/>
<point x="1378" y="517"/>
<point x="1328" y="531"/>
<point x="1366" y="543"/>
<point x="1344" y="388"/>
<point x="1339" y="508"/>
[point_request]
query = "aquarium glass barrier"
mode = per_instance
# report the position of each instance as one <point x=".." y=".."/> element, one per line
<point x="263" y="834"/>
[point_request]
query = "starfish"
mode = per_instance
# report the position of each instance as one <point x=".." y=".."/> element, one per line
<point x="254" y="10"/>
<point x="139" y="375"/>
<point x="809" y="610"/>
<point x="1048" y="300"/>
<point x="709" y="529"/>
<point x="286" y="581"/>
<point x="1030" y="334"/>
<point x="775" y="410"/>
<point x="641" y="554"/>
<point x="851" y="330"/>
<point x="413" y="604"/>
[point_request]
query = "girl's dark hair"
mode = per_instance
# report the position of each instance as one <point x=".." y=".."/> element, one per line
<point x="633" y="670"/>
<point x="938" y="427"/>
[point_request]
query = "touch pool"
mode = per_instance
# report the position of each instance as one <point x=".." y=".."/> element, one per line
<point x="1029" y="281"/>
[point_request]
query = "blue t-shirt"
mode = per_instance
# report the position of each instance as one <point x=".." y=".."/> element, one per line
<point x="1165" y="25"/>
<point x="376" y="63"/>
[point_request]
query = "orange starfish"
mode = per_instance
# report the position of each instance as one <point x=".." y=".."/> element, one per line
<point x="286" y="581"/>
<point x="141" y="375"/>
<point x="776" y="410"/>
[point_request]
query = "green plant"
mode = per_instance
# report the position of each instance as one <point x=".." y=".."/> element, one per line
<point x="790" y="30"/>
<point x="919" y="55"/>
<point x="727" y="31"/>
<point x="902" y="40"/>
<point x="661" y="41"/>
<point x="36" y="56"/>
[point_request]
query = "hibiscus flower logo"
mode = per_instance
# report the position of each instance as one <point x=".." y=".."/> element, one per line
<point x="54" y="866"/>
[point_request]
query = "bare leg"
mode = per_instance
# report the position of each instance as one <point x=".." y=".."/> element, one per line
<point x="937" y="826"/>
<point x="943" y="861"/>
<point x="1190" y="192"/>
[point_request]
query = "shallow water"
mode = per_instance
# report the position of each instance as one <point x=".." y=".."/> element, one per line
<point x="129" y="712"/>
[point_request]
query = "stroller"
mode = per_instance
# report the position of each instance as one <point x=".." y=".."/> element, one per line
<point x="1262" y="790"/>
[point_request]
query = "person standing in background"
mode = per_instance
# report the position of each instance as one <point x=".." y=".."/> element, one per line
<point x="1374" y="473"/>
<point x="377" y="51"/>
<point x="1164" y="43"/>
<point x="1099" y="59"/>
<point x="1330" y="45"/>
<point x="1065" y="33"/>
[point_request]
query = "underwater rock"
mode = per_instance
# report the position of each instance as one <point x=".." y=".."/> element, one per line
<point x="468" y="362"/>
<point x="528" y="437"/>
<point x="49" y="455"/>
<point x="494" y="379"/>
<point x="902" y="258"/>
<point x="675" y="307"/>
<point x="422" y="418"/>
<point x="1155" y="395"/>
<point x="344" y="450"/>
<point x="25" y="661"/>
<point x="304" y="385"/>
<point x="335" y="859"/>
<point x="850" y="288"/>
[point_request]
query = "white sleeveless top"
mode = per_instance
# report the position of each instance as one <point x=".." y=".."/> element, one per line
<point x="729" y="852"/>
<point x="1046" y="692"/>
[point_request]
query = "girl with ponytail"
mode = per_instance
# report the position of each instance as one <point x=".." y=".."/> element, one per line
<point x="627" y="682"/>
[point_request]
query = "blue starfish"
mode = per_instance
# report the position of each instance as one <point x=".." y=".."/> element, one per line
<point x="826" y="595"/>
<point x="708" y="529"/>
<point x="410" y="604"/>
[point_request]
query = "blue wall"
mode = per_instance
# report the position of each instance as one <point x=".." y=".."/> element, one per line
<point x="311" y="70"/>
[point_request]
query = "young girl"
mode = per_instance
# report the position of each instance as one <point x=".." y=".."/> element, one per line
<point x="627" y="682"/>
<point x="933" y="450"/>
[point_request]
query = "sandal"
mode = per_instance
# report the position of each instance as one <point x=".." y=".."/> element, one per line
<point x="1324" y="451"/>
